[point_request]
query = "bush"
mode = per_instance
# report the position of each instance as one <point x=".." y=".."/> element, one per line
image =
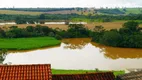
<point x="30" y="28"/>
<point x="51" y="34"/>
<point x="42" y="22"/>
<point x="58" y="37"/>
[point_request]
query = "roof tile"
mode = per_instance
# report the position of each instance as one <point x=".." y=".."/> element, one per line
<point x="87" y="76"/>
<point x="25" y="72"/>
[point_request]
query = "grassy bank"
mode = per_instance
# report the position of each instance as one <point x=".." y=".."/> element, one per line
<point x="28" y="43"/>
<point x="59" y="71"/>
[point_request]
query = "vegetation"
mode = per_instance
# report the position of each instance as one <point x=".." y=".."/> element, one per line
<point x="74" y="31"/>
<point x="58" y="71"/>
<point x="15" y="38"/>
<point x="12" y="12"/>
<point x="106" y="10"/>
<point x="106" y="17"/>
<point x="129" y="35"/>
<point x="37" y="9"/>
<point x="28" y="43"/>
<point x="3" y="54"/>
<point x="29" y="31"/>
<point x="111" y="11"/>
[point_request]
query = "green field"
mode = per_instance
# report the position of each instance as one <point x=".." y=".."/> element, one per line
<point x="28" y="43"/>
<point x="84" y="12"/>
<point x="58" y="71"/>
<point x="132" y="10"/>
<point x="19" y="12"/>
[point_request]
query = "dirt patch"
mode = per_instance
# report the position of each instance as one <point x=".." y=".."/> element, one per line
<point x="107" y="25"/>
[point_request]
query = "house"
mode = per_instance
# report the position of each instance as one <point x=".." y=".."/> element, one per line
<point x="87" y="76"/>
<point x="43" y="72"/>
<point x="130" y="76"/>
<point x="25" y="72"/>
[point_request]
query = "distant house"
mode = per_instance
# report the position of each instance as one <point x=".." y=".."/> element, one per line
<point x="87" y="76"/>
<point x="130" y="76"/>
<point x="25" y="72"/>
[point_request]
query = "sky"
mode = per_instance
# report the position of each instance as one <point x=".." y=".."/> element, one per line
<point x="70" y="3"/>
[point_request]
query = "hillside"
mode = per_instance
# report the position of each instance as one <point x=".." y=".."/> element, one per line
<point x="81" y="11"/>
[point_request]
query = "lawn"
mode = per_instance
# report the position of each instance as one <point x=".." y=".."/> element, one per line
<point x="28" y="43"/>
<point x="59" y="71"/>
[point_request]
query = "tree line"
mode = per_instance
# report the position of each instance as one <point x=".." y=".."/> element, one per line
<point x="37" y="9"/>
<point x="130" y="35"/>
<point x="50" y="17"/>
<point x="73" y="31"/>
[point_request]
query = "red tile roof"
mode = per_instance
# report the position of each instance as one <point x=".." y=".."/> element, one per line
<point x="25" y="72"/>
<point x="88" y="76"/>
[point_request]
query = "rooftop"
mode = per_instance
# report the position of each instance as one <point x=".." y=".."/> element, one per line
<point x="130" y="76"/>
<point x="43" y="72"/>
<point x="87" y="76"/>
<point x="25" y="72"/>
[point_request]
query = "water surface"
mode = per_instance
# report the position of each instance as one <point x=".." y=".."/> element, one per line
<point x="80" y="53"/>
<point x="5" y="23"/>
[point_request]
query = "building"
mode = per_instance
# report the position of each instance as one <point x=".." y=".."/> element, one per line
<point x="43" y="72"/>
<point x="87" y="76"/>
<point x="130" y="76"/>
<point x="25" y="72"/>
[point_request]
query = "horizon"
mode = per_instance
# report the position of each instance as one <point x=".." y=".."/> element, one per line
<point x="70" y="7"/>
<point x="69" y="3"/>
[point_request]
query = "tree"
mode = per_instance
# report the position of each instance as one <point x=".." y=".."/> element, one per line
<point x="3" y="54"/>
<point x="2" y="33"/>
<point x="42" y="16"/>
<point x="124" y="9"/>
<point x="42" y="22"/>
<point x="77" y="30"/>
<point x="58" y="37"/>
<point x="12" y="27"/>
<point x="132" y="25"/>
<point x="66" y="22"/>
<point x="16" y="33"/>
<point x="30" y="28"/>
<point x="31" y="22"/>
<point x="20" y="20"/>
<point x="111" y="38"/>
<point x="89" y="15"/>
<point x="99" y="28"/>
<point x="125" y="31"/>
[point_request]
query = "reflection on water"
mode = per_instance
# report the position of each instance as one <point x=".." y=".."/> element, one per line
<point x="110" y="52"/>
<point x="80" y="53"/>
<point x="115" y="53"/>
<point x="76" y="43"/>
<point x="65" y="23"/>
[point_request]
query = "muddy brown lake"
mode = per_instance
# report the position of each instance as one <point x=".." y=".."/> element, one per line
<point x="80" y="53"/>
